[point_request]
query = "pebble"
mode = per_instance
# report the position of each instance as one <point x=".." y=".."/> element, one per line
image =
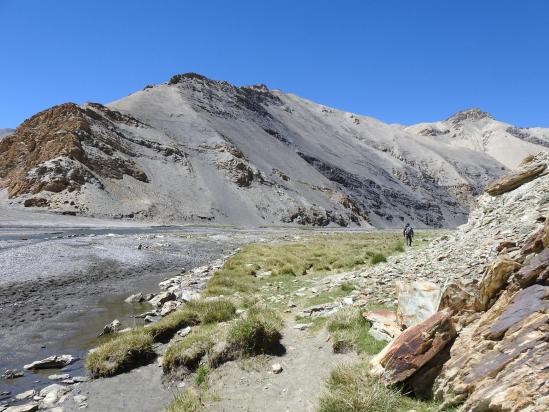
<point x="276" y="368"/>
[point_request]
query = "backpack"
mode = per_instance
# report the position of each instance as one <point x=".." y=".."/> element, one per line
<point x="409" y="232"/>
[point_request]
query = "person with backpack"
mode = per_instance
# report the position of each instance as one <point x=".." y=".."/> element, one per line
<point x="408" y="233"/>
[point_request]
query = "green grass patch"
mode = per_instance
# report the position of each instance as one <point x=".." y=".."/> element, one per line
<point x="202" y="376"/>
<point x="378" y="258"/>
<point x="259" y="332"/>
<point x="351" y="389"/>
<point x="190" y="314"/>
<point x="185" y="401"/>
<point x="186" y="354"/>
<point x="349" y="331"/>
<point x="317" y="253"/>
<point x="123" y="353"/>
<point x="315" y="324"/>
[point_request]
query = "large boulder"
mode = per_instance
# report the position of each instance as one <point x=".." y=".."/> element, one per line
<point x="524" y="174"/>
<point x="416" y="346"/>
<point x="417" y="301"/>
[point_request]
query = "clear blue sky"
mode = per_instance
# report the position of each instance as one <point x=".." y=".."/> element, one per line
<point x="400" y="61"/>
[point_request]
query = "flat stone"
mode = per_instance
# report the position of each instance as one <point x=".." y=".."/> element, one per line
<point x="59" y="377"/>
<point x="52" y="362"/>
<point x="28" y="407"/>
<point x="524" y="303"/>
<point x="25" y="395"/>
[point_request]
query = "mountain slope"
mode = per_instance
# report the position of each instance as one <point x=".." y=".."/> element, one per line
<point x="477" y="130"/>
<point x="5" y="132"/>
<point x="196" y="150"/>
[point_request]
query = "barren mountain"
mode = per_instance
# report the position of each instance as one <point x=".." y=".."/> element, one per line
<point x="199" y="150"/>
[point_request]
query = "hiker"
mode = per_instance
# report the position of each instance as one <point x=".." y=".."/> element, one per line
<point x="408" y="233"/>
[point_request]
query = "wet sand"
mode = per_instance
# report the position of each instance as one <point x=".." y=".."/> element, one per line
<point x="56" y="294"/>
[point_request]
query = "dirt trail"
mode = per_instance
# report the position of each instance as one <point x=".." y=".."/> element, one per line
<point x="251" y="386"/>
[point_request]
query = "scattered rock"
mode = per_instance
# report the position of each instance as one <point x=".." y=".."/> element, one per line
<point x="301" y="326"/>
<point x="169" y="307"/>
<point x="135" y="298"/>
<point x="112" y="327"/>
<point x="384" y="324"/>
<point x="276" y="368"/>
<point x="25" y="395"/>
<point x="81" y="378"/>
<point x="53" y="362"/>
<point x="184" y="332"/>
<point x="28" y="407"/>
<point x="80" y="399"/>
<point x="52" y="394"/>
<point x="11" y="374"/>
<point x="59" y="377"/>
<point x="162" y="298"/>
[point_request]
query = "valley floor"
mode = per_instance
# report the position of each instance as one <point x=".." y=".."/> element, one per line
<point x="61" y="284"/>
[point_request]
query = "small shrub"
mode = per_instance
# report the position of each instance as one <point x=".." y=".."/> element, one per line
<point x="186" y="354"/>
<point x="192" y="313"/>
<point x="202" y="374"/>
<point x="185" y="401"/>
<point x="399" y="247"/>
<point x="349" y="331"/>
<point x="165" y="328"/>
<point x="260" y="332"/>
<point x="347" y="287"/>
<point x="377" y="258"/>
<point x="351" y="389"/>
<point x="122" y="353"/>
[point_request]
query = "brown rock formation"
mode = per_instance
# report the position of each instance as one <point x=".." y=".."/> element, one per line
<point x="499" y="361"/>
<point x="416" y="346"/>
<point x="60" y="149"/>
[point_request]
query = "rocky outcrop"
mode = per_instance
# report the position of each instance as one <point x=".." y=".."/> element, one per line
<point x="499" y="360"/>
<point x="53" y="362"/>
<point x="493" y="273"/>
<point x="65" y="147"/>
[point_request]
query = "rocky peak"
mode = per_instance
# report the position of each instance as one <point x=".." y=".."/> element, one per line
<point x="178" y="78"/>
<point x="472" y="114"/>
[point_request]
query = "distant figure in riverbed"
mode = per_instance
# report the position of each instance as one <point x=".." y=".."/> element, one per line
<point x="408" y="233"/>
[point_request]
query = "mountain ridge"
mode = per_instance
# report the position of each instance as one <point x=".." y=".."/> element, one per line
<point x="200" y="150"/>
